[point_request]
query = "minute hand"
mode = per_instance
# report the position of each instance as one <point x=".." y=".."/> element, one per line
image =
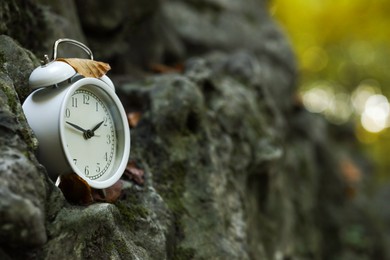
<point x="77" y="127"/>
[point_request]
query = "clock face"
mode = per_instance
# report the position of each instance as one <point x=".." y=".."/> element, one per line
<point x="91" y="133"/>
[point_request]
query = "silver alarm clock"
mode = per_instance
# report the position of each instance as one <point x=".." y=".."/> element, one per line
<point x="79" y="122"/>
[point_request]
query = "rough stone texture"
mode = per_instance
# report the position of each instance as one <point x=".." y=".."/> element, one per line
<point x="23" y="21"/>
<point x="135" y="32"/>
<point x="61" y="21"/>
<point x="234" y="167"/>
<point x="23" y="184"/>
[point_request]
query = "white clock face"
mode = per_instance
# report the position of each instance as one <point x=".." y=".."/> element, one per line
<point x="90" y="133"/>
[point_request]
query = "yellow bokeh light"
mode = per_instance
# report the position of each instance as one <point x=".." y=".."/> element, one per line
<point x="361" y="94"/>
<point x="318" y="99"/>
<point x="375" y="116"/>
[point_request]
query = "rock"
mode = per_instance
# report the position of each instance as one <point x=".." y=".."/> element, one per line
<point x="62" y="21"/>
<point x="17" y="63"/>
<point x="116" y="30"/>
<point x="37" y="24"/>
<point x="23" y="21"/>
<point x="170" y="31"/>
<point x="225" y="25"/>
<point x="205" y="157"/>
<point x="226" y="164"/>
<point x="22" y="223"/>
<point x="23" y="185"/>
<point x="129" y="229"/>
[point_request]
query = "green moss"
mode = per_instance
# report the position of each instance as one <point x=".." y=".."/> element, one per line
<point x="2" y="60"/>
<point x="14" y="106"/>
<point x="120" y="247"/>
<point x="109" y="246"/>
<point x="29" y="138"/>
<point x="171" y="187"/>
<point x="131" y="211"/>
<point x="12" y="99"/>
<point x="183" y="253"/>
<point x="354" y="236"/>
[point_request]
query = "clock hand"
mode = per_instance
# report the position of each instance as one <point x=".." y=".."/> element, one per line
<point x="97" y="126"/>
<point x="91" y="132"/>
<point x="86" y="133"/>
<point x="77" y="127"/>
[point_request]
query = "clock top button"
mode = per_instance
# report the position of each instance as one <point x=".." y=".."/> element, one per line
<point x="50" y="74"/>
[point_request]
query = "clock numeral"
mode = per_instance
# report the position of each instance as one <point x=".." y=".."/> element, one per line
<point x="97" y="107"/>
<point x="98" y="167"/>
<point x="106" y="157"/>
<point x="75" y="161"/>
<point x="86" y="99"/>
<point x="108" y="139"/>
<point x="86" y="170"/>
<point x="67" y="113"/>
<point x="74" y="102"/>
<point x="105" y="121"/>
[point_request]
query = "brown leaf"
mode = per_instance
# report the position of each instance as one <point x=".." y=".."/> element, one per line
<point x="75" y="189"/>
<point x="134" y="173"/>
<point x="86" y="67"/>
<point x="350" y="171"/>
<point x="352" y="176"/>
<point x="110" y="194"/>
<point x="133" y="118"/>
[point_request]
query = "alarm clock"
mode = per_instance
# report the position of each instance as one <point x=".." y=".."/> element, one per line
<point x="80" y="123"/>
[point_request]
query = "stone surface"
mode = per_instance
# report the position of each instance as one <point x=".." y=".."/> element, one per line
<point x="24" y="21"/>
<point x="234" y="167"/>
<point x="23" y="185"/>
<point x="61" y="21"/>
<point x="241" y="179"/>
<point x="116" y="30"/>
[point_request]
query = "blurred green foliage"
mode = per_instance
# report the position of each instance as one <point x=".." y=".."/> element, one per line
<point x="343" y="53"/>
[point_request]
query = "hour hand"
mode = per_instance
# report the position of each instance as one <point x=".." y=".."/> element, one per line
<point x="97" y="126"/>
<point x="77" y="127"/>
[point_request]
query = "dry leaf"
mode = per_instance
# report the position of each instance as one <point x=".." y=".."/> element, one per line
<point x="110" y="194"/>
<point x="350" y="171"/>
<point x="75" y="189"/>
<point x="133" y="118"/>
<point x="134" y="173"/>
<point x="86" y="67"/>
<point x="352" y="176"/>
